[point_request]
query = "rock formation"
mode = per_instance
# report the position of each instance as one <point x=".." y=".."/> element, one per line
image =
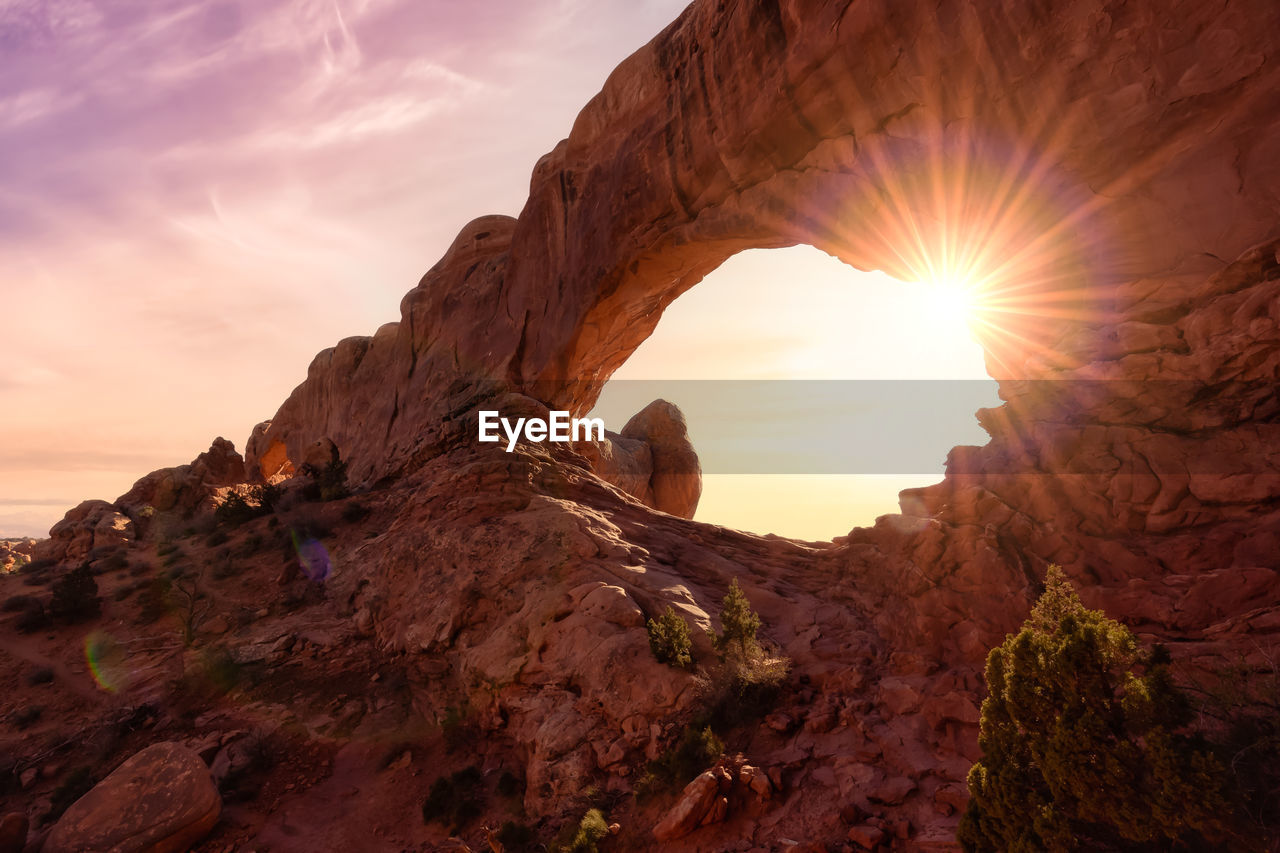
<point x="1136" y="148"/>
<point x="652" y="460"/>
<point x="15" y="552"/>
<point x="173" y="492"/>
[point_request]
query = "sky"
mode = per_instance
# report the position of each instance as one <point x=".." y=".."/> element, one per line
<point x="196" y="197"/>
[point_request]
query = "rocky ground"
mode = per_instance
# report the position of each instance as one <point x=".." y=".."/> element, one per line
<point x="327" y="709"/>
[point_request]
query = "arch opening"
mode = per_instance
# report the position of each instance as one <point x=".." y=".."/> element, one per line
<point x="814" y="392"/>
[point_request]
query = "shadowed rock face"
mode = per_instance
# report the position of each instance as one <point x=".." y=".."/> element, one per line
<point x="1118" y="164"/>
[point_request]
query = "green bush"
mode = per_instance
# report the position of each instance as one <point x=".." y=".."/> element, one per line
<point x="328" y="483"/>
<point x="738" y="626"/>
<point x="455" y="800"/>
<point x="592" y="829"/>
<point x="669" y="639"/>
<point x="75" y="596"/>
<point x="1084" y="744"/>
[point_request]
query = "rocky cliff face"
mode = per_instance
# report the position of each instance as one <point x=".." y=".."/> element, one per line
<point x="1132" y="154"/>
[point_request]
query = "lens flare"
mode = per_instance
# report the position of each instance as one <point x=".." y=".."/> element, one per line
<point x="108" y="662"/>
<point x="313" y="557"/>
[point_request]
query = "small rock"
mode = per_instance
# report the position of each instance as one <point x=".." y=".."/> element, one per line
<point x="28" y="777"/>
<point x="892" y="791"/>
<point x="779" y="722"/>
<point x="866" y="837"/>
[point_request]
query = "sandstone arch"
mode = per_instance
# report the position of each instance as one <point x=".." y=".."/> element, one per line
<point x="1145" y="142"/>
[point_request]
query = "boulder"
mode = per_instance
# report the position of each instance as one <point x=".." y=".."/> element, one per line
<point x="676" y="482"/>
<point x="161" y="800"/>
<point x="696" y="801"/>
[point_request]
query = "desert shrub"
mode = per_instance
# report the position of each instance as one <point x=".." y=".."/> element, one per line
<point x="750" y="681"/>
<point x="237" y="509"/>
<point x="18" y="603"/>
<point x="252" y="545"/>
<point x="36" y="578"/>
<point x="127" y="590"/>
<point x="75" y="596"/>
<point x="1084" y="743"/>
<point x="37" y="566"/>
<point x="190" y="603"/>
<point x="455" y="800"/>
<point x="669" y="639"/>
<point x="738" y="626"/>
<point x="76" y="784"/>
<point x="214" y="674"/>
<point x="354" y="512"/>
<point x="116" y="560"/>
<point x="1241" y="708"/>
<point x="328" y="483"/>
<point x="40" y="675"/>
<point x="267" y="495"/>
<point x="456" y="726"/>
<point x="509" y="784"/>
<point x="745" y="695"/>
<point x="697" y="749"/>
<point x="517" y="837"/>
<point x="33" y="617"/>
<point x="227" y="567"/>
<point x="218" y="537"/>
<point x="154" y="601"/>
<point x="592" y="829"/>
<point x="26" y="717"/>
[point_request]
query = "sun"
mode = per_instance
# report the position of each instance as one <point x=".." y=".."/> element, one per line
<point x="952" y="299"/>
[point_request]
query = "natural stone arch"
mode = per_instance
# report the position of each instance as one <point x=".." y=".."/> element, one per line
<point x="1158" y="137"/>
<point x="721" y="134"/>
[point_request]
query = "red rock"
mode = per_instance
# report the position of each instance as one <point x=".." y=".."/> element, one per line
<point x="162" y="799"/>
<point x="696" y="801"/>
<point x="866" y="837"/>
<point x="13" y="832"/>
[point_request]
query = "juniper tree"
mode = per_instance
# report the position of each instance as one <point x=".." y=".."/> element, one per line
<point x="738" y="626"/>
<point x="1084" y="743"/>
